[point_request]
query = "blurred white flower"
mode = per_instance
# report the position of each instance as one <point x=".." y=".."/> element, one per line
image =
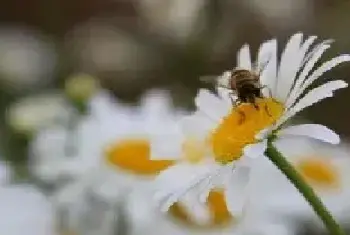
<point x="24" y="209"/>
<point x="119" y="151"/>
<point x="176" y="19"/>
<point x="325" y="167"/>
<point x="27" y="59"/>
<point x="126" y="163"/>
<point x="5" y="173"/>
<point x="145" y="218"/>
<point x="51" y="160"/>
<point x="32" y="113"/>
<point x="110" y="125"/>
<point x="101" y="47"/>
<point x="80" y="211"/>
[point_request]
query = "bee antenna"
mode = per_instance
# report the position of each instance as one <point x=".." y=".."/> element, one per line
<point x="260" y="67"/>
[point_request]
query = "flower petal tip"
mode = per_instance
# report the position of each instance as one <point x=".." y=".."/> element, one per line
<point x="344" y="84"/>
<point x="344" y="57"/>
<point x="159" y="198"/>
<point x="298" y="34"/>
<point x="335" y="139"/>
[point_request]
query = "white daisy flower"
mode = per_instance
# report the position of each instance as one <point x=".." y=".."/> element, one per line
<point x="51" y="159"/>
<point x="35" y="112"/>
<point x="80" y="210"/>
<point x="24" y="209"/>
<point x="235" y="136"/>
<point x="188" y="216"/>
<point x="326" y="169"/>
<point x="112" y="126"/>
<point x="124" y="165"/>
<point x="126" y="160"/>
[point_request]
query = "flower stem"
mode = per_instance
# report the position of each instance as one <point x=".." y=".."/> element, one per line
<point x="297" y="180"/>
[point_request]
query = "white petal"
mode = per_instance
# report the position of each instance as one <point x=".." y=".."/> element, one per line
<point x="211" y="105"/>
<point x="175" y="182"/>
<point x="224" y="79"/>
<point x="314" y="96"/>
<point x="263" y="133"/>
<point x="236" y="190"/>
<point x="197" y="125"/>
<point x="243" y="58"/>
<point x="268" y="75"/>
<point x="287" y="63"/>
<point x="218" y="179"/>
<point x="168" y="144"/>
<point x="197" y="211"/>
<point x="305" y="72"/>
<point x="290" y="62"/>
<point x="321" y="70"/>
<point x="155" y="103"/>
<point x="5" y="172"/>
<point x="36" y="215"/>
<point x="315" y="131"/>
<point x="255" y="150"/>
<point x="306" y="45"/>
<point x="270" y="227"/>
<point x="227" y="95"/>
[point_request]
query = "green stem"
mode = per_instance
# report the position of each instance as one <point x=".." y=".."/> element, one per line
<point x="297" y="180"/>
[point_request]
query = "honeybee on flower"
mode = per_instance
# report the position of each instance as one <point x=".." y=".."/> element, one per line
<point x="233" y="144"/>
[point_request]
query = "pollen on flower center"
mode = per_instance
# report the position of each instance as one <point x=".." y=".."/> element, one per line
<point x="134" y="155"/>
<point x="240" y="127"/>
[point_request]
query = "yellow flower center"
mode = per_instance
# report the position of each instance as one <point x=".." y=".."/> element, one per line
<point x="217" y="208"/>
<point x="134" y="155"/>
<point x="239" y="128"/>
<point x="319" y="172"/>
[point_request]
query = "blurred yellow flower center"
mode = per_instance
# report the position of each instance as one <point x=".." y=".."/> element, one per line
<point x="239" y="128"/>
<point x="193" y="150"/>
<point x="134" y="155"/>
<point x="217" y="208"/>
<point x="319" y="172"/>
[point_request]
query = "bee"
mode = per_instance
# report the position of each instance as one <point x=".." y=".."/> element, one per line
<point x="243" y="84"/>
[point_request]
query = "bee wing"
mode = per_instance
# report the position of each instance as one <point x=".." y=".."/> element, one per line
<point x="216" y="81"/>
<point x="209" y="79"/>
<point x="260" y="67"/>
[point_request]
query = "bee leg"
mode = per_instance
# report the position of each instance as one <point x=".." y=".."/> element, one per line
<point x="265" y="86"/>
<point x="267" y="110"/>
<point x="270" y="92"/>
<point x="232" y="100"/>
<point x="242" y="117"/>
<point x="251" y="100"/>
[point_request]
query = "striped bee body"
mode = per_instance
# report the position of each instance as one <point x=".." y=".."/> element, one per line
<point x="246" y="84"/>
